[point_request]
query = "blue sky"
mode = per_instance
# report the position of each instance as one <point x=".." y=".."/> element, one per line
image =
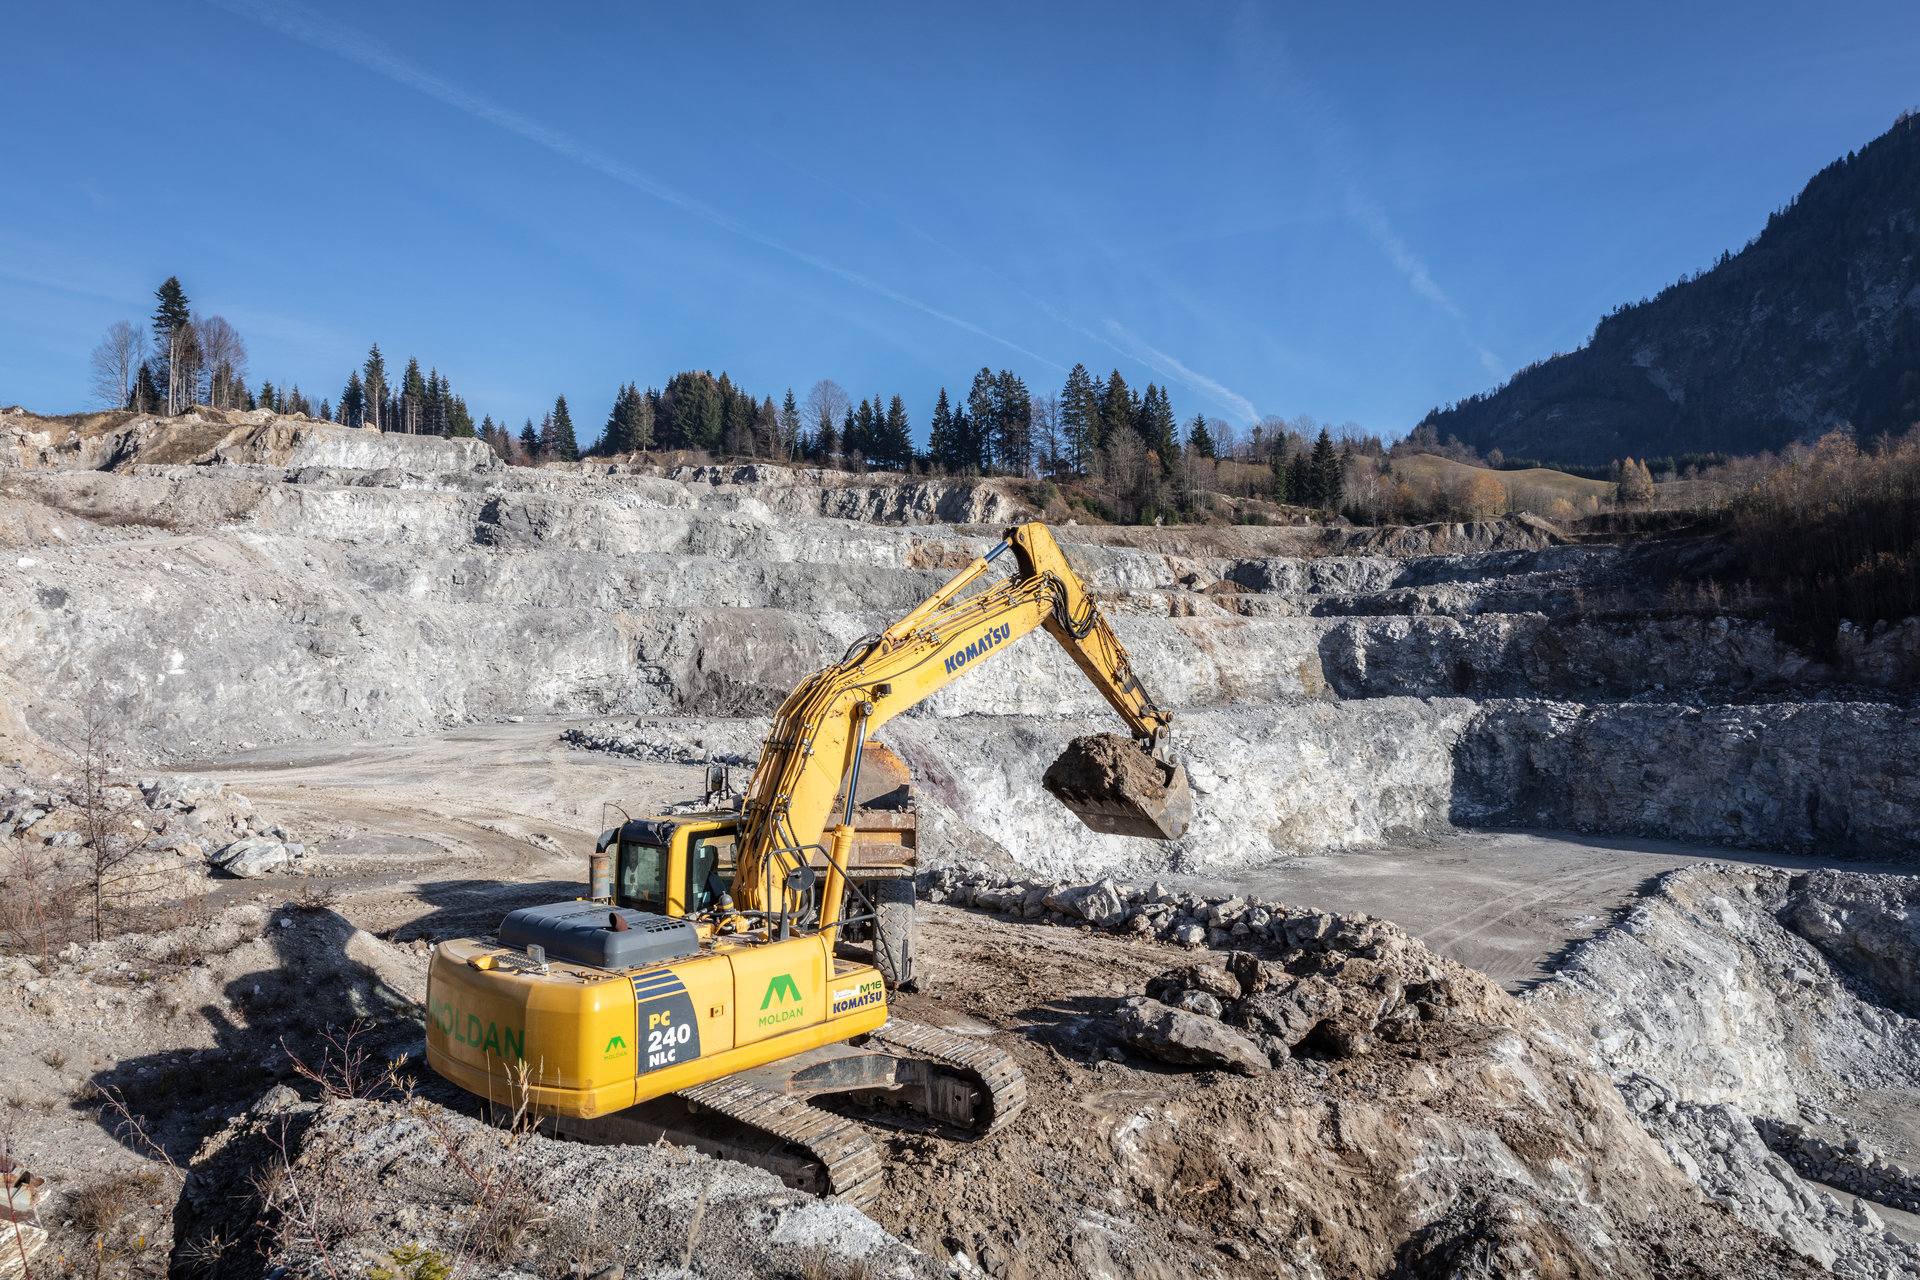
<point x="1354" y="212"/>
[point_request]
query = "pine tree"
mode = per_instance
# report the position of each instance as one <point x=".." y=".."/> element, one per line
<point x="1325" y="468"/>
<point x="529" y="441"/>
<point x="174" y="349"/>
<point x="1199" y="439"/>
<point x="693" y="415"/>
<point x="1080" y="417"/>
<point x="145" y="396"/>
<point x="847" y="432"/>
<point x="1013" y="429"/>
<point x="326" y="410"/>
<point x="413" y="399"/>
<point x="766" y="429"/>
<point x="565" y="448"/>
<point x="269" y="398"/>
<point x="1300" y="490"/>
<point x="1116" y="408"/>
<point x="459" y="421"/>
<point x="896" y="436"/>
<point x="789" y="426"/>
<point x="983" y="416"/>
<point x="942" y="448"/>
<point x="374" y="380"/>
<point x="858" y="436"/>
<point x="1277" y="464"/>
<point x="1157" y="426"/>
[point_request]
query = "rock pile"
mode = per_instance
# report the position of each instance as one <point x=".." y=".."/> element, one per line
<point x="1852" y="1165"/>
<point x="1186" y="919"/>
<point x="1318" y="999"/>
<point x="177" y="829"/>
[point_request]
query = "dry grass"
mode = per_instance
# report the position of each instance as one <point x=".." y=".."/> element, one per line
<point x="99" y="1208"/>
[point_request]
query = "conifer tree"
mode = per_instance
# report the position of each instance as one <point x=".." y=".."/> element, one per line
<point x="1080" y="417"/>
<point x="1199" y="439"/>
<point x="145" y="397"/>
<point x="1300" y="489"/>
<point x="983" y="415"/>
<point x="174" y="350"/>
<point x="459" y="421"/>
<point x="374" y="381"/>
<point x="326" y="410"/>
<point x="942" y="448"/>
<point x="529" y="441"/>
<point x="962" y="432"/>
<point x="896" y="436"/>
<point x="269" y="398"/>
<point x="766" y="428"/>
<point x="1325" y="467"/>
<point x="1157" y="426"/>
<point x="858" y="435"/>
<point x="1116" y="408"/>
<point x="1013" y="426"/>
<point x="565" y="448"/>
<point x="847" y="431"/>
<point x="790" y="426"/>
<point x="1277" y="464"/>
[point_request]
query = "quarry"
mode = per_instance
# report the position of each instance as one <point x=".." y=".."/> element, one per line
<point x="1538" y="915"/>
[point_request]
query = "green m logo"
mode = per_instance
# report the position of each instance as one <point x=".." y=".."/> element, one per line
<point x="782" y="986"/>
<point x="618" y="1044"/>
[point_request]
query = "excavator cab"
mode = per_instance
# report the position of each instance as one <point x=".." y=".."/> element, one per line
<point x="666" y="867"/>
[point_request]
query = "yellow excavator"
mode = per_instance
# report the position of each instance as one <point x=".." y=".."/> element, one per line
<point x="672" y="1004"/>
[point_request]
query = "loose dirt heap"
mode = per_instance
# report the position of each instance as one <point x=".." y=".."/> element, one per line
<point x="1477" y="1145"/>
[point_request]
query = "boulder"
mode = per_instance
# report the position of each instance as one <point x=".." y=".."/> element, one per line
<point x="255" y="856"/>
<point x="1211" y="979"/>
<point x="1288" y="1013"/>
<point x="1100" y="904"/>
<point x="1187" y="1039"/>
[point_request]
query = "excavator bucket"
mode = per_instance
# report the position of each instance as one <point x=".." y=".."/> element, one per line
<point x="1118" y="787"/>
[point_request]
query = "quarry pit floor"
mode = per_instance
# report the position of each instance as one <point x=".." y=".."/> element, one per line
<point x="436" y="833"/>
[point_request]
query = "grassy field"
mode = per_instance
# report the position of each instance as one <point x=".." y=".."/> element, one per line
<point x="1426" y="468"/>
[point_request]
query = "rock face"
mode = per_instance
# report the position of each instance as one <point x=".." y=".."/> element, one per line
<point x="1831" y="776"/>
<point x="246" y="579"/>
<point x="1868" y="925"/>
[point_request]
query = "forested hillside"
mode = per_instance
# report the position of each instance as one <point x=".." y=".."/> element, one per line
<point x="1813" y="325"/>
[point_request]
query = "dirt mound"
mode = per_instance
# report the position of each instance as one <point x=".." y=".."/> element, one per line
<point x="1467" y="1145"/>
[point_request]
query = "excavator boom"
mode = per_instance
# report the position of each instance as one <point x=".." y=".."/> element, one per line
<point x="814" y="746"/>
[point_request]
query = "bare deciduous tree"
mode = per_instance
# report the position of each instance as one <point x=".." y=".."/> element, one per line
<point x="1047" y="431"/>
<point x="826" y="405"/>
<point x="109" y="836"/>
<point x="116" y="362"/>
<point x="223" y="356"/>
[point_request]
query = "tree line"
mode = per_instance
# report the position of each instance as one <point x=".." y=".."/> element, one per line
<point x="1128" y="445"/>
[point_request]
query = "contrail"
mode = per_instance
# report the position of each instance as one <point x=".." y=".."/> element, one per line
<point x="1370" y="216"/>
<point x="1157" y="360"/>
<point x="311" y="29"/>
<point x="1172" y="368"/>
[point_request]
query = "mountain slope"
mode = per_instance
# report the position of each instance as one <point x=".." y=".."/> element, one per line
<point x="1813" y="324"/>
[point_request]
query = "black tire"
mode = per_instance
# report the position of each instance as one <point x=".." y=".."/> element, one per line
<point x="893" y="929"/>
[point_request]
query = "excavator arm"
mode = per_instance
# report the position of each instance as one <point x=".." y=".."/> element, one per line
<point x="813" y="750"/>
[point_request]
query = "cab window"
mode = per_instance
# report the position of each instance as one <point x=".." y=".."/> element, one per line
<point x="704" y="855"/>
<point x="642" y="877"/>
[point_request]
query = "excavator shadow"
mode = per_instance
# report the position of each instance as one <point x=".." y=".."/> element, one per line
<point x="472" y="908"/>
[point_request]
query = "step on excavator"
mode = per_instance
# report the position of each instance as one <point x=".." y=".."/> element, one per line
<point x="673" y="1003"/>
